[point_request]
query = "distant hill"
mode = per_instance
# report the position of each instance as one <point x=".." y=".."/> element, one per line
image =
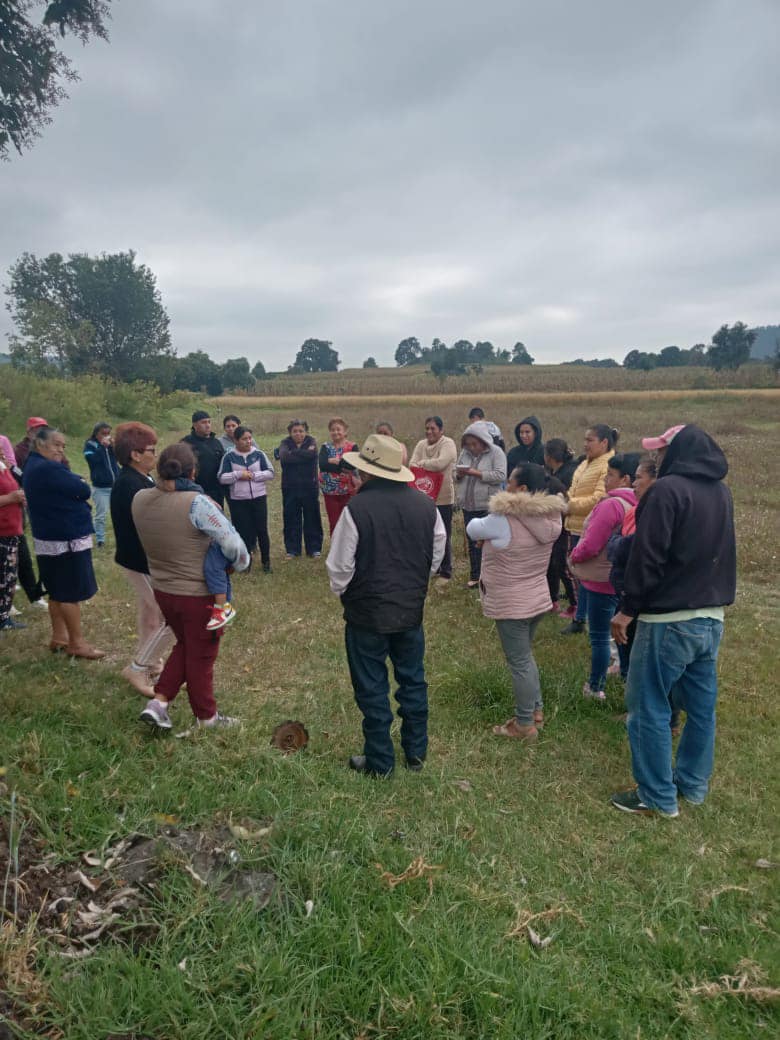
<point x="5" y="359"/>
<point x="766" y="339"/>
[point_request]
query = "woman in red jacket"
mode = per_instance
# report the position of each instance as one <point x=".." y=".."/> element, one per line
<point x="11" y="502"/>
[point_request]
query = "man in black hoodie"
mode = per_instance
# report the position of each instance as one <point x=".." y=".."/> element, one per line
<point x="681" y="573"/>
<point x="208" y="452"/>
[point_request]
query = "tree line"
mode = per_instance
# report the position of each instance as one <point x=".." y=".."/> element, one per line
<point x="104" y="315"/>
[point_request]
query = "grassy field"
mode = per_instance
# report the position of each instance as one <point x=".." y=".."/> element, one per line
<point x="660" y="928"/>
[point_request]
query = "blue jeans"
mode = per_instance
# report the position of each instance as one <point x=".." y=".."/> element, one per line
<point x="101" y="499"/>
<point x="582" y="593"/>
<point x="215" y="565"/>
<point x="601" y="609"/>
<point x="367" y="653"/>
<point x="678" y="656"/>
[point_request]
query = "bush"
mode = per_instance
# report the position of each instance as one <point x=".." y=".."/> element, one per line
<point x="75" y="405"/>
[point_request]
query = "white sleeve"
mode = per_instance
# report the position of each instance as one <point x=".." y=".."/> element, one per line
<point x="439" y="542"/>
<point x="491" y="528"/>
<point x="206" y="516"/>
<point x="340" y="563"/>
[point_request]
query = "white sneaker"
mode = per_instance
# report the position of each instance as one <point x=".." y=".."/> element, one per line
<point x="593" y="695"/>
<point x="219" y="720"/>
<point x="41" y="603"/>
<point x="13" y="612"/>
<point x="155" y="714"/>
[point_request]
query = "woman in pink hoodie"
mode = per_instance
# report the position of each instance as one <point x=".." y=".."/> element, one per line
<point x="591" y="566"/>
<point x="518" y="535"/>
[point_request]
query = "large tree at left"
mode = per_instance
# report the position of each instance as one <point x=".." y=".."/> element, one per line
<point x="33" y="70"/>
<point x="83" y="314"/>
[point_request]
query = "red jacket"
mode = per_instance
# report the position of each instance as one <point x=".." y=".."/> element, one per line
<point x="10" y="515"/>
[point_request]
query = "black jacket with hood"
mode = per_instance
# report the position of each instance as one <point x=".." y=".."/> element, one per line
<point x="684" y="553"/>
<point x="533" y="452"/>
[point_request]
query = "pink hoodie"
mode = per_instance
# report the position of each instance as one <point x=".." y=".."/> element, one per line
<point x="607" y="516"/>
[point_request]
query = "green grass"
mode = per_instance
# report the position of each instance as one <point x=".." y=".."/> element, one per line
<point x="649" y="908"/>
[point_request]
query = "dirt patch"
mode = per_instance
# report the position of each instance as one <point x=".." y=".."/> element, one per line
<point x="107" y="896"/>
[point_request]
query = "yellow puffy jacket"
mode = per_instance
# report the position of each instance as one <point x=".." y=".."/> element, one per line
<point x="587" y="489"/>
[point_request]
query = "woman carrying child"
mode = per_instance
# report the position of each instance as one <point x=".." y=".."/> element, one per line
<point x="189" y="543"/>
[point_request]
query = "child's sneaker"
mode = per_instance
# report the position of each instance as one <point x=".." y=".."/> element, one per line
<point x="220" y="616"/>
<point x="155" y="714"/>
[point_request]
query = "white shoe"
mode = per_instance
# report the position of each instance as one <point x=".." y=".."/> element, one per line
<point x="593" y="695"/>
<point x="13" y="612"/>
<point x="219" y="720"/>
<point x="41" y="603"/>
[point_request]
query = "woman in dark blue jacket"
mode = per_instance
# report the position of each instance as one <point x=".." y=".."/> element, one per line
<point x="103" y="471"/>
<point x="61" y="521"/>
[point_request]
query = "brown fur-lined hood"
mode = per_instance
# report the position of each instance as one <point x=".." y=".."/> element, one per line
<point x="527" y="505"/>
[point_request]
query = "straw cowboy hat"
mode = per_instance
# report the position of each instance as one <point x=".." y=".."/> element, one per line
<point x="381" y="457"/>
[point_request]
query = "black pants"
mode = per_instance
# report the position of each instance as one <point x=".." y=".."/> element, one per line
<point x="445" y="570"/>
<point x="475" y="551"/>
<point x="301" y="512"/>
<point x="250" y="519"/>
<point x="558" y="572"/>
<point x="33" y="589"/>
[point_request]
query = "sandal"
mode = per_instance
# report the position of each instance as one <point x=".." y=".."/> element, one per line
<point x="510" y="728"/>
<point x="472" y="583"/>
<point x="57" y="646"/>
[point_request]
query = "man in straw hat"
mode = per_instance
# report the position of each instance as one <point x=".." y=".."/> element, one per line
<point x="681" y="573"/>
<point x="389" y="540"/>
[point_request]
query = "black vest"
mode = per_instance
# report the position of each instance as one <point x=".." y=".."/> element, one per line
<point x="393" y="559"/>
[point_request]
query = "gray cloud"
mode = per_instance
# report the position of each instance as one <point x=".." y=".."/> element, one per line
<point x="587" y="178"/>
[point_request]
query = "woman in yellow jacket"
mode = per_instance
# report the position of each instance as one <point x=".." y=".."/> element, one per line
<point x="586" y="491"/>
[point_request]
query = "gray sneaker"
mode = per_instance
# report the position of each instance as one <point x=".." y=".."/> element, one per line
<point x="219" y="720"/>
<point x="155" y="714"/>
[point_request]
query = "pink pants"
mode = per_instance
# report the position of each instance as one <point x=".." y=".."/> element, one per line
<point x="154" y="636"/>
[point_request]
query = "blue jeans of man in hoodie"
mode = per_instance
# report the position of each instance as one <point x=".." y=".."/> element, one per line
<point x="678" y="658"/>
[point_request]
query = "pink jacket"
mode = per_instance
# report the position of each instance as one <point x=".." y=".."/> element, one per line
<point x="513" y="580"/>
<point x="234" y="464"/>
<point x="606" y="517"/>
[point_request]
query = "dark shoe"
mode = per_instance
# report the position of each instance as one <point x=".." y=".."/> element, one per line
<point x="267" y="568"/>
<point x="573" y="629"/>
<point x="629" y="801"/>
<point x="9" y="625"/>
<point x="358" y="763"/>
<point x="414" y="765"/>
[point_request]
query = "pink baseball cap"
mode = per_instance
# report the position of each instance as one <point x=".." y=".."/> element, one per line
<point x="34" y="421"/>
<point x="666" y="438"/>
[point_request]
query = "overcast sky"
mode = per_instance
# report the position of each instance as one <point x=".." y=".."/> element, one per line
<point x="584" y="177"/>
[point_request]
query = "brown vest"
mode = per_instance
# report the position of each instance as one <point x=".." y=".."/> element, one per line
<point x="174" y="548"/>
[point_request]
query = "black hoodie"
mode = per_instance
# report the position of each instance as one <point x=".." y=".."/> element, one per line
<point x="521" y="453"/>
<point x="684" y="554"/>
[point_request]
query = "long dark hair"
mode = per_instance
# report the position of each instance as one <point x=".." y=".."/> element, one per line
<point x="606" y="433"/>
<point x="625" y="462"/>
<point x="177" y="460"/>
<point x="558" y="450"/>
<point x="534" y="477"/>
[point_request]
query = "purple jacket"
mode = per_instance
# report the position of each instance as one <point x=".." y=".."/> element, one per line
<point x="234" y="464"/>
<point x="605" y="516"/>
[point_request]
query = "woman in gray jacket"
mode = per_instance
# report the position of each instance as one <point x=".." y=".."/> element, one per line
<point x="479" y="473"/>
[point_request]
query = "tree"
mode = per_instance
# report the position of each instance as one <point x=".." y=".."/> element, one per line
<point x="259" y="372"/>
<point x="98" y="314"/>
<point x="316" y="355"/>
<point x="485" y="352"/>
<point x="196" y="371"/>
<point x="671" y="357"/>
<point x="370" y="362"/>
<point x="33" y="68"/>
<point x="640" y="360"/>
<point x="731" y="346"/>
<point x="408" y="351"/>
<point x="520" y="355"/>
<point x="446" y="362"/>
<point x="236" y="375"/>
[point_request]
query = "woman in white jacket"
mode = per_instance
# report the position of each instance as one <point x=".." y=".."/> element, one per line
<point x="518" y="535"/>
<point x="479" y="473"/>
